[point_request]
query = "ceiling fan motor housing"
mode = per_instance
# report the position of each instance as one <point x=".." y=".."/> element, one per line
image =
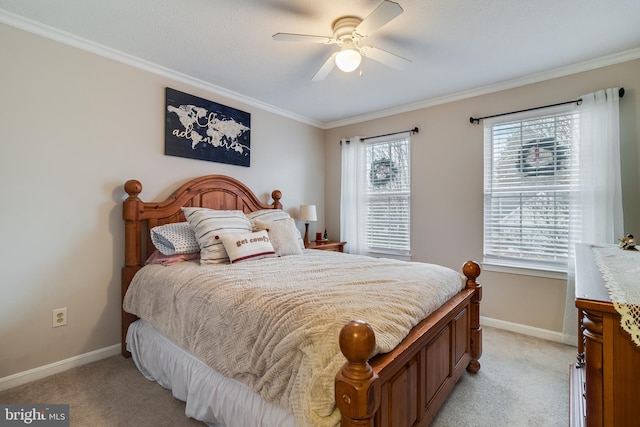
<point x="345" y="27"/>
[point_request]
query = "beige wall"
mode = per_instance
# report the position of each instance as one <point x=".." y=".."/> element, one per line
<point x="447" y="179"/>
<point x="74" y="127"/>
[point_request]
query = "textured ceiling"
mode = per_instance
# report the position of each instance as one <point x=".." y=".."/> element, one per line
<point x="454" y="46"/>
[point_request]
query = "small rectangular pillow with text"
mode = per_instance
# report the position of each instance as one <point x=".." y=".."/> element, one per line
<point x="248" y="246"/>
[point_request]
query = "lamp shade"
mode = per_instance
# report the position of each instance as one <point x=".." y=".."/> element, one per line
<point x="308" y="213"/>
<point x="348" y="60"/>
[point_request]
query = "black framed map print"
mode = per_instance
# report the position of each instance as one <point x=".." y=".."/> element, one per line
<point x="205" y="130"/>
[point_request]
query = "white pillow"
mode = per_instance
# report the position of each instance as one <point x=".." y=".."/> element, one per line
<point x="248" y="246"/>
<point x="283" y="234"/>
<point x="175" y="238"/>
<point x="272" y="215"/>
<point x="209" y="224"/>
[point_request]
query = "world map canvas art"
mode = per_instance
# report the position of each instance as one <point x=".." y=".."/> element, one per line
<point x="200" y="129"/>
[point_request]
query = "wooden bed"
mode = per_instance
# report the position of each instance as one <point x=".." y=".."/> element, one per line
<point x="405" y="387"/>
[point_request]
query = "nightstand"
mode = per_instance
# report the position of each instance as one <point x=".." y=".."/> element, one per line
<point x="327" y="246"/>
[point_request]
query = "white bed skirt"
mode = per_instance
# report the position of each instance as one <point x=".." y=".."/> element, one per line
<point x="210" y="397"/>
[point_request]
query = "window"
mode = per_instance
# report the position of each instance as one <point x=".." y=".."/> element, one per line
<point x="388" y="192"/>
<point x="529" y="182"/>
<point x="375" y="195"/>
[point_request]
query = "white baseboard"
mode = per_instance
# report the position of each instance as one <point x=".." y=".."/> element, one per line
<point x="522" y="329"/>
<point x="93" y="356"/>
<point x="57" y="367"/>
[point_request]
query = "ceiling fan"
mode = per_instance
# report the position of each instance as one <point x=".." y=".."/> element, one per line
<point x="348" y="32"/>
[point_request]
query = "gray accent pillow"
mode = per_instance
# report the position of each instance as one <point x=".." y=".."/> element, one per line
<point x="283" y="235"/>
<point x="175" y="238"/>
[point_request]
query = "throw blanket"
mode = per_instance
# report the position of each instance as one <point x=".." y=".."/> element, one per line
<point x="273" y="324"/>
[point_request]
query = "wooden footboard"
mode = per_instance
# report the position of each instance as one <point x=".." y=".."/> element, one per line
<point x="407" y="386"/>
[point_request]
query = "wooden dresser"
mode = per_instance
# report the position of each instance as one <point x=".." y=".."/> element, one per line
<point x="605" y="381"/>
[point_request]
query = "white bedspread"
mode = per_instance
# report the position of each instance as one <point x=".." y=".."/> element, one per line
<point x="273" y="324"/>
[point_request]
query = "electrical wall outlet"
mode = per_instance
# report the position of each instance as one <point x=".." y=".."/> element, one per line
<point x="59" y="317"/>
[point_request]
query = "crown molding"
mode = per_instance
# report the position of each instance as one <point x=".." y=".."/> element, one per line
<point x="604" y="61"/>
<point x="66" y="38"/>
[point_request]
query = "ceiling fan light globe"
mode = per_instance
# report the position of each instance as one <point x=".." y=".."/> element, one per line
<point x="348" y="60"/>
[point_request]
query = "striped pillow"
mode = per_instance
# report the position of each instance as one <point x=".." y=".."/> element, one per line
<point x="248" y="246"/>
<point x="268" y="215"/>
<point x="209" y="224"/>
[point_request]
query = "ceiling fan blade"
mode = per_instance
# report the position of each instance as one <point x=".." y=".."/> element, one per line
<point x="384" y="13"/>
<point x="325" y="69"/>
<point x="386" y="58"/>
<point x="289" y="37"/>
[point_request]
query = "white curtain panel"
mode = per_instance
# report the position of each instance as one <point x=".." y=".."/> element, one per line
<point x="600" y="190"/>
<point x="352" y="193"/>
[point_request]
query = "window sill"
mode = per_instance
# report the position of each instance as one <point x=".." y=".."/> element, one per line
<point x="559" y="275"/>
<point x="383" y="254"/>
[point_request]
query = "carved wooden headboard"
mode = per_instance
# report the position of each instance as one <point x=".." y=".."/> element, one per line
<point x="211" y="191"/>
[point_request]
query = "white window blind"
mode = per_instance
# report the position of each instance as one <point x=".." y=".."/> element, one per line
<point x="529" y="183"/>
<point x="388" y="193"/>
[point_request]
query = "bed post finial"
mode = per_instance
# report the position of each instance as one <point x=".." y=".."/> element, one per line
<point x="357" y="387"/>
<point x="276" y="195"/>
<point x="133" y="187"/>
<point x="472" y="270"/>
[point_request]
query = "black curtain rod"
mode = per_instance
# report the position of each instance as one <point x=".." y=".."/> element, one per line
<point x="414" y="130"/>
<point x="476" y="121"/>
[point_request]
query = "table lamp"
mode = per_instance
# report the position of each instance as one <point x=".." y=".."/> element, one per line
<point x="307" y="214"/>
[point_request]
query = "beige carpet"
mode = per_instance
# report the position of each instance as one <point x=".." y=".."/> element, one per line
<point x="523" y="381"/>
